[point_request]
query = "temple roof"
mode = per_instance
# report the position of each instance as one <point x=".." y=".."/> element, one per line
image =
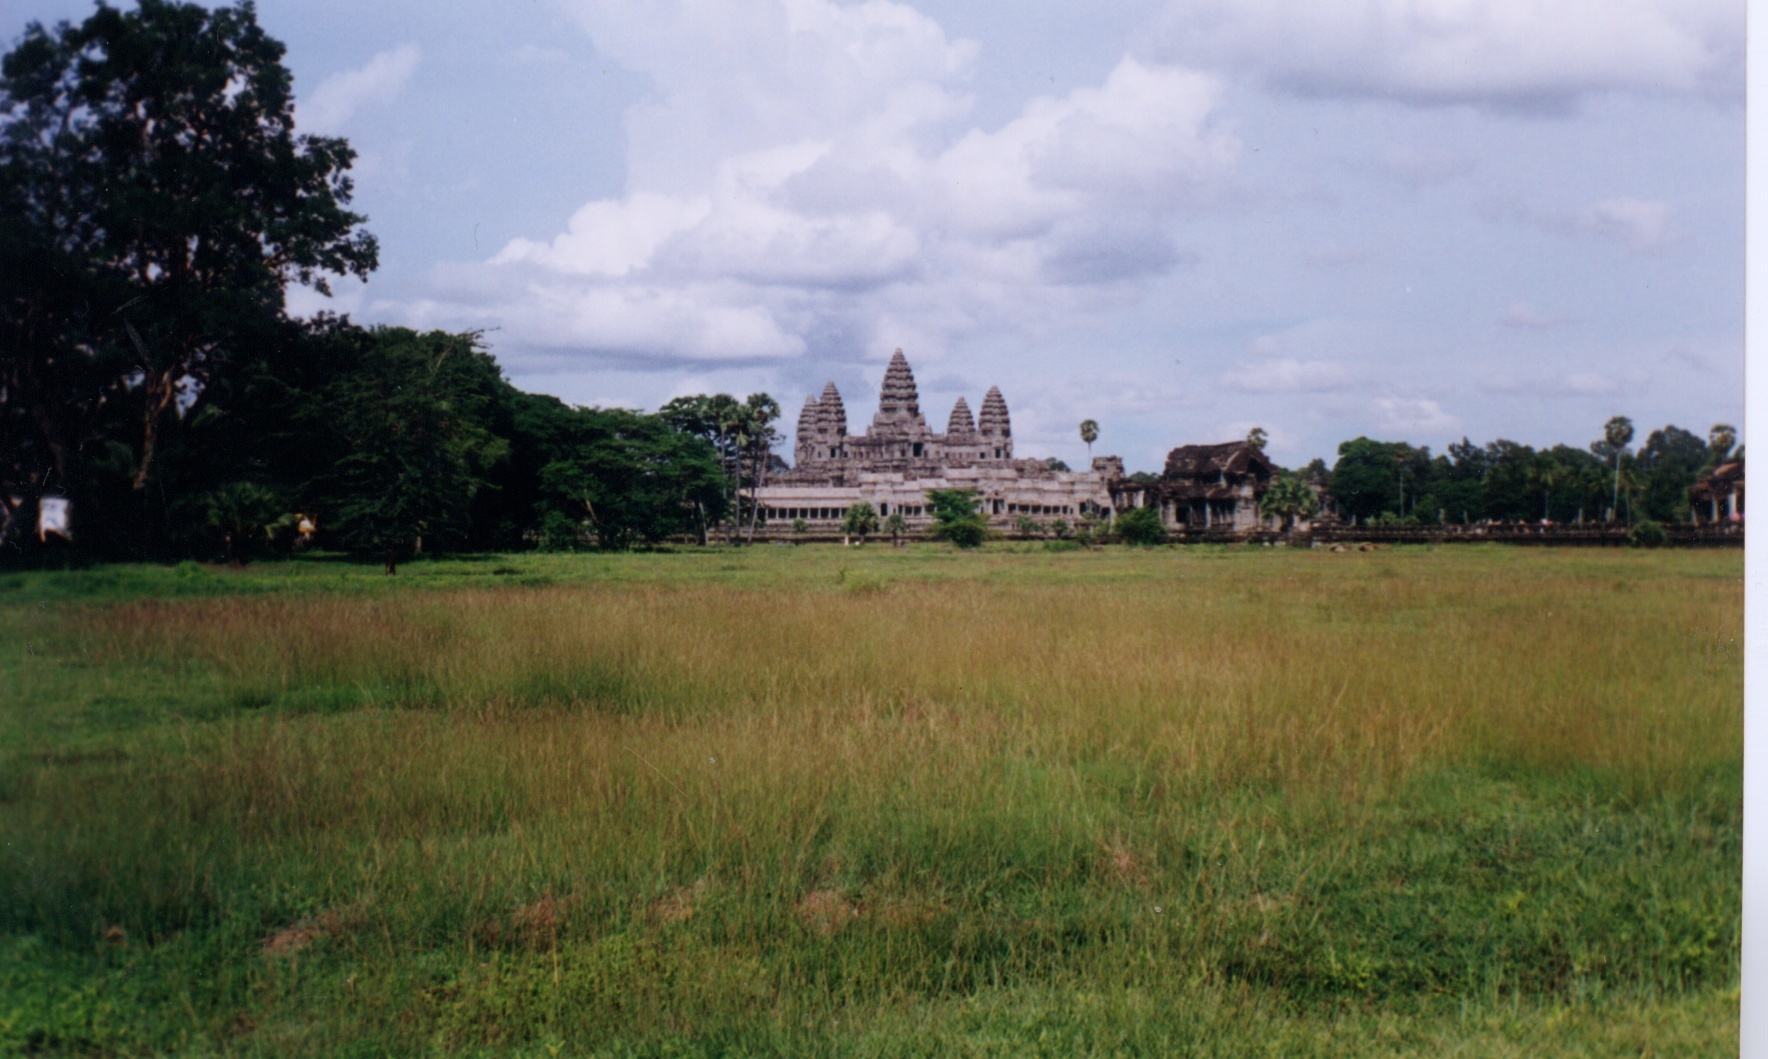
<point x="1231" y="459"/>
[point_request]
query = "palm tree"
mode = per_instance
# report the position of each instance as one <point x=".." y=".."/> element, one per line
<point x="1548" y="476"/>
<point x="860" y="521"/>
<point x="1617" y="432"/>
<point x="1089" y="433"/>
<point x="896" y="525"/>
<point x="1631" y="482"/>
<point x="1287" y="498"/>
<point x="1719" y="442"/>
<point x="759" y="437"/>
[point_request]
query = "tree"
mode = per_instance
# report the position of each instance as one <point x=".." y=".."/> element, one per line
<point x="1616" y="433"/>
<point x="1507" y="491"/>
<point x="1546" y="475"/>
<point x="707" y="417"/>
<point x="1720" y="439"/>
<point x="629" y="478"/>
<point x="244" y="514"/>
<point x="155" y="202"/>
<point x="743" y="434"/>
<point x="1141" y="525"/>
<point x="896" y="526"/>
<point x="1089" y="433"/>
<point x="956" y="518"/>
<point x="860" y="521"/>
<point x="1367" y="477"/>
<point x="755" y="440"/>
<point x="1027" y="526"/>
<point x="1670" y="460"/>
<point x="412" y="444"/>
<point x="1288" y="497"/>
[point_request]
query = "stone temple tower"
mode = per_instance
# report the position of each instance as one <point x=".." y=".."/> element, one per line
<point x="899" y="406"/>
<point x="822" y="427"/>
<point x="995" y="428"/>
<point x="961" y="428"/>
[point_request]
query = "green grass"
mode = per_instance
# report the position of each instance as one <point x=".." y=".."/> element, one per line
<point x="1204" y="801"/>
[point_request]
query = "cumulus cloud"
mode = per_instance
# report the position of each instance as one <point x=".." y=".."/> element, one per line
<point x="803" y="173"/>
<point x="340" y="96"/>
<point x="1501" y="53"/>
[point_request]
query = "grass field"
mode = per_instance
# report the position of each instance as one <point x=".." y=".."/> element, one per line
<point x="820" y="801"/>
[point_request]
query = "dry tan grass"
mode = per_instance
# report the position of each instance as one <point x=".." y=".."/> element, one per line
<point x="1341" y="684"/>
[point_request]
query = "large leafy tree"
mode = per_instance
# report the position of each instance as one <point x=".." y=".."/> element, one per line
<point x="743" y="434"/>
<point x="626" y="478"/>
<point x="155" y="202"/>
<point x="1369" y="477"/>
<point x="413" y="444"/>
<point x="1671" y="459"/>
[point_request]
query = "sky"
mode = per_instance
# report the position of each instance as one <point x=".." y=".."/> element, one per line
<point x="1408" y="219"/>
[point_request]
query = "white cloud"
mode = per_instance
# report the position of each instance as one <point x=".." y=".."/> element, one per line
<point x="1589" y="383"/>
<point x="1416" y="414"/>
<point x="1524" y="315"/>
<point x="1288" y="375"/>
<point x="1505" y="53"/>
<point x="802" y="176"/>
<point x="340" y="96"/>
<point x="1641" y="224"/>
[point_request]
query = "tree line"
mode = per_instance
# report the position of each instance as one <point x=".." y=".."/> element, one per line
<point x="1395" y="483"/>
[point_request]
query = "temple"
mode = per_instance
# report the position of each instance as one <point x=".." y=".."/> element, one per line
<point x="1205" y="489"/>
<point x="899" y="459"/>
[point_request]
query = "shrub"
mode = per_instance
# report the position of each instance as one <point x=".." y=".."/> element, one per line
<point x="559" y="532"/>
<point x="1141" y="525"/>
<point x="955" y="517"/>
<point x="1647" y="534"/>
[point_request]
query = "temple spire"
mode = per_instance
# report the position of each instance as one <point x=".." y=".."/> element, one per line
<point x="961" y="425"/>
<point x="831" y="413"/>
<point x="899" y="406"/>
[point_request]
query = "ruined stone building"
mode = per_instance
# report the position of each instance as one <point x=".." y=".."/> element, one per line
<point x="1717" y="495"/>
<point x="898" y="459"/>
<point x="1204" y="488"/>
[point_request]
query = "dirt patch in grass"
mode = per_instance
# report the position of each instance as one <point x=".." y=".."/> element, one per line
<point x="302" y="933"/>
<point x="680" y="904"/>
<point x="826" y="911"/>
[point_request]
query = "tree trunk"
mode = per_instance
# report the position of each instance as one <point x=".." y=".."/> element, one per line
<point x="390" y="564"/>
